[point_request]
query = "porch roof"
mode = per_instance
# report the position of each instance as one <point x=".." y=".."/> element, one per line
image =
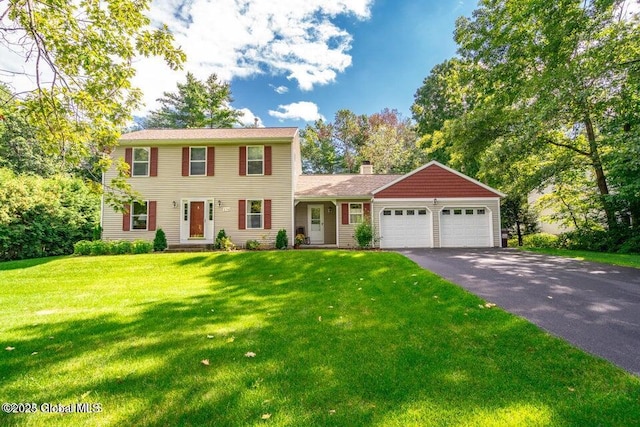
<point x="341" y="185"/>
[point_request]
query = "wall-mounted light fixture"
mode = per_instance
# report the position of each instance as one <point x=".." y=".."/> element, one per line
<point x="175" y="204"/>
<point x="435" y="201"/>
<point x="219" y="203"/>
<point x="330" y="209"/>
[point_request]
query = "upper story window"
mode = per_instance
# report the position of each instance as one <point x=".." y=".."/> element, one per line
<point x="140" y="166"/>
<point x="255" y="160"/>
<point x="355" y="213"/>
<point x="198" y="161"/>
<point x="254" y="214"/>
<point x="139" y="216"/>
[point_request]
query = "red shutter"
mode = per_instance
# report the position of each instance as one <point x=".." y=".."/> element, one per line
<point x="267" y="160"/>
<point x="126" y="218"/>
<point x="128" y="158"/>
<point x="242" y="214"/>
<point x="267" y="214"/>
<point x="185" y="161"/>
<point x="151" y="211"/>
<point x="211" y="161"/>
<point x="243" y="161"/>
<point x="366" y="209"/>
<point x="345" y="213"/>
<point x="154" y="162"/>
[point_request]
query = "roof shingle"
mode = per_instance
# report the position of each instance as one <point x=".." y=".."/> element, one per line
<point x="341" y="185"/>
<point x="204" y="134"/>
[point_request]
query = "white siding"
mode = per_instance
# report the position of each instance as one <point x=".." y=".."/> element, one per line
<point x="227" y="187"/>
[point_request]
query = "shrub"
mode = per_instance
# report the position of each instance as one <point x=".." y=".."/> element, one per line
<point x="83" y="247"/>
<point x="364" y="234"/>
<point x="540" y="240"/>
<point x="44" y="216"/>
<point x="226" y="244"/>
<point x="282" y="241"/>
<point x="142" y="247"/>
<point x="631" y="245"/>
<point x="220" y="238"/>
<point x="100" y="247"/>
<point x="252" y="245"/>
<point x="160" y="241"/>
<point x="121" y="247"/>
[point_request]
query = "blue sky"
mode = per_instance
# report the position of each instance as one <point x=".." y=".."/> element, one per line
<point x="292" y="61"/>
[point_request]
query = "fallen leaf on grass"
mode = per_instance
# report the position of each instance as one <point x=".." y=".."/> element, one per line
<point x="572" y="389"/>
<point x="332" y="411"/>
<point x="230" y="340"/>
<point x="250" y="354"/>
<point x="266" y="416"/>
<point x="210" y="336"/>
<point x="10" y="348"/>
<point x="489" y="305"/>
<point x="205" y="362"/>
<point x="34" y="353"/>
<point x="319" y="318"/>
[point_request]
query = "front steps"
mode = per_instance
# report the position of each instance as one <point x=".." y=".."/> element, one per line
<point x="189" y="248"/>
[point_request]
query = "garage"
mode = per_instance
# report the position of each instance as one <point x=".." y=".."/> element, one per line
<point x="405" y="228"/>
<point x="465" y="227"/>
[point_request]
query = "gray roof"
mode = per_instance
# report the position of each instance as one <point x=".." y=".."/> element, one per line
<point x="207" y="134"/>
<point x="341" y="185"/>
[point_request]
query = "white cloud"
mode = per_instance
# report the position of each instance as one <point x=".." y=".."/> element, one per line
<point x="280" y="90"/>
<point x="249" y="119"/>
<point x="242" y="38"/>
<point x="304" y="110"/>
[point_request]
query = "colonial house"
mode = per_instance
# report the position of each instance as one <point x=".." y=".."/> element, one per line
<point x="249" y="182"/>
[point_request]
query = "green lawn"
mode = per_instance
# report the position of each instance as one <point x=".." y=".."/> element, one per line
<point x="340" y="338"/>
<point x="625" y="260"/>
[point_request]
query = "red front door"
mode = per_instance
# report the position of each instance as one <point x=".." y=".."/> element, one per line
<point x="196" y="220"/>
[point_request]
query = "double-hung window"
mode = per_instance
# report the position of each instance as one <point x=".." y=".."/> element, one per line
<point x="198" y="161"/>
<point x="355" y="213"/>
<point x="140" y="166"/>
<point x="139" y="216"/>
<point x="255" y="160"/>
<point x="254" y="214"/>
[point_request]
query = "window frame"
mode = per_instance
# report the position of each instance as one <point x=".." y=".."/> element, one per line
<point x="249" y="214"/>
<point x="262" y="160"/>
<point x="139" y="162"/>
<point x="203" y="161"/>
<point x="135" y="216"/>
<point x="354" y="215"/>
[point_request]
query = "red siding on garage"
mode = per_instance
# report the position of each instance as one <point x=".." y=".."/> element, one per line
<point x="434" y="181"/>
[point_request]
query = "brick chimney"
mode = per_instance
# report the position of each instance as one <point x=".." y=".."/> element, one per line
<point x="366" y="168"/>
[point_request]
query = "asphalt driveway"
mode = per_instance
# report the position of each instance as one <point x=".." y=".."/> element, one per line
<point x="593" y="306"/>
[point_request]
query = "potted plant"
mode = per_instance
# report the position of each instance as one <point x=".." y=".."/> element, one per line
<point x="298" y="240"/>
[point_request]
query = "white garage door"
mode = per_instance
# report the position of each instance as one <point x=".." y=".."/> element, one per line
<point x="465" y="227"/>
<point x="405" y="228"/>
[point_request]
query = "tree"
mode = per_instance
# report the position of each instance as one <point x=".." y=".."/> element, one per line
<point x="196" y="104"/>
<point x="549" y="94"/>
<point x="80" y="55"/>
<point x="385" y="139"/>
<point x="19" y="149"/>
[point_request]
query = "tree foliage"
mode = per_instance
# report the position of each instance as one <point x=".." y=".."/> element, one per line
<point x="385" y="139"/>
<point x="542" y="92"/>
<point x="196" y="104"/>
<point x="80" y="57"/>
<point x="44" y="216"/>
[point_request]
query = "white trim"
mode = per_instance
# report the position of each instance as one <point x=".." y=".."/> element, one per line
<point x="146" y="224"/>
<point x="438" y="164"/>
<point x="209" y="225"/>
<point x="430" y="213"/>
<point x="309" y="207"/>
<point x="488" y="213"/>
<point x="133" y="162"/>
<point x="439" y="201"/>
<point x="199" y="161"/>
<point x="361" y="213"/>
<point x="247" y="161"/>
<point x="246" y="214"/>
